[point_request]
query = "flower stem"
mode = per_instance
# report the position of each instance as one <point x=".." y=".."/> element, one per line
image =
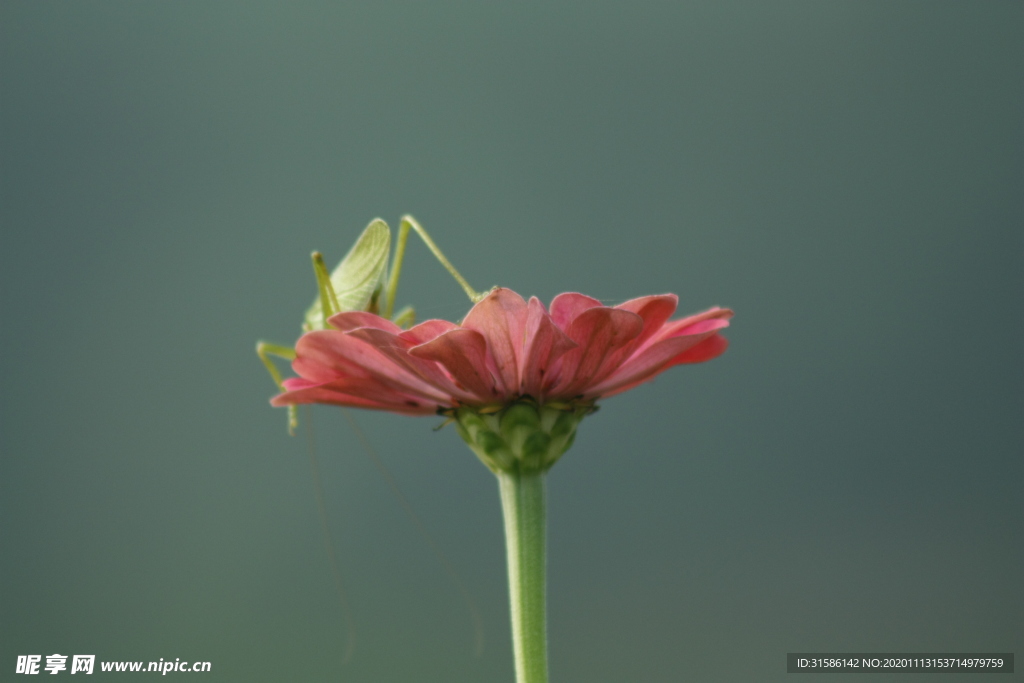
<point x="523" y="505"/>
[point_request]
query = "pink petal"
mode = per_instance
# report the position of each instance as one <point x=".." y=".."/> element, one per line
<point x="355" y="319"/>
<point x="702" y="326"/>
<point x="712" y="347"/>
<point x="464" y="354"/>
<point x="293" y="383"/>
<point x="655" y="358"/>
<point x="328" y="393"/>
<point x="566" y="307"/>
<point x="351" y="389"/>
<point x="501" y="318"/>
<point x="427" y="330"/>
<point x="396" y="347"/>
<point x="655" y="311"/>
<point x="333" y="356"/>
<point x="677" y="327"/>
<point x="599" y="333"/>
<point x="545" y="343"/>
<point x="374" y="390"/>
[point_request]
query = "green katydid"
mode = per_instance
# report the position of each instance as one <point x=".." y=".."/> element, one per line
<point x="360" y="283"/>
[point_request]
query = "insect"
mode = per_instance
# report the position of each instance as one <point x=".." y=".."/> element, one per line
<point x="360" y="282"/>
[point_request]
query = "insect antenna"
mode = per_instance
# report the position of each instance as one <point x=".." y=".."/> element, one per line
<point x="449" y="568"/>
<point x="318" y="493"/>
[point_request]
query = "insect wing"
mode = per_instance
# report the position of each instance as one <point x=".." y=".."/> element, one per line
<point x="359" y="279"/>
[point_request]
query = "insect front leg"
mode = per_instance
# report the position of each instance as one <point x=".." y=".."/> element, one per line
<point x="265" y="350"/>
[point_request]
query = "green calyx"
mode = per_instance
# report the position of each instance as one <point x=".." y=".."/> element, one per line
<point x="522" y="436"/>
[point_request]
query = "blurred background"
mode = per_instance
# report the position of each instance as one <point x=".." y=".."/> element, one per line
<point x="846" y="175"/>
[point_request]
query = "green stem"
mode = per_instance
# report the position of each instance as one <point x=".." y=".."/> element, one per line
<point x="523" y="505"/>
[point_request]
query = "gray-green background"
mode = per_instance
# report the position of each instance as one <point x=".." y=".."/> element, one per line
<point x="846" y="175"/>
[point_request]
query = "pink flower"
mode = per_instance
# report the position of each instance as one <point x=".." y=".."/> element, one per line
<point x="505" y="349"/>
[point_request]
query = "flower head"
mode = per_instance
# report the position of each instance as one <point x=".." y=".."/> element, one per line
<point x="507" y="352"/>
